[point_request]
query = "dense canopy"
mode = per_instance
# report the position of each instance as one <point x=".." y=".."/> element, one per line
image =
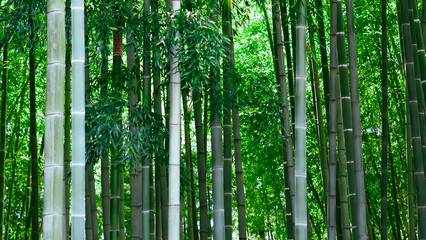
<point x="147" y="119"/>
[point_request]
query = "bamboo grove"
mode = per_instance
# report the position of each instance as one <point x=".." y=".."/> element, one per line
<point x="212" y="119"/>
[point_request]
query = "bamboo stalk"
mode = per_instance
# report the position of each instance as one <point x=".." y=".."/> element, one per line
<point x="414" y="117"/>
<point x="227" y="130"/>
<point x="332" y="124"/>
<point x="54" y="195"/>
<point x="356" y="123"/>
<point x="201" y="155"/>
<point x="175" y="133"/>
<point x="67" y="123"/>
<point x="285" y="119"/>
<point x="135" y="168"/>
<point x="410" y="178"/>
<point x="342" y="171"/>
<point x="78" y="160"/>
<point x="147" y="182"/>
<point x="300" y="203"/>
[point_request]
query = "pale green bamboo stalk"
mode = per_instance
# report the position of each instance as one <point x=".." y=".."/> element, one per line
<point x="78" y="159"/>
<point x="174" y="225"/>
<point x="54" y="186"/>
<point x="216" y="141"/>
<point x="300" y="204"/>
<point x="227" y="131"/>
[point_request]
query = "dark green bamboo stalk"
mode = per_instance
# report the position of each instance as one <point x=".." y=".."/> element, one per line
<point x="410" y="176"/>
<point x="323" y="52"/>
<point x="161" y="219"/>
<point x="332" y="107"/>
<point x="201" y="154"/>
<point x="67" y="121"/>
<point x="285" y="22"/>
<point x="90" y="198"/>
<point x="285" y="119"/>
<point x="347" y="118"/>
<point x="105" y="178"/>
<point x="227" y="131"/>
<point x="135" y="167"/>
<point x="115" y="162"/>
<point x="342" y="190"/>
<point x="385" y="127"/>
<point x="188" y="163"/>
<point x="420" y="69"/>
<point x="88" y="205"/>
<point x="414" y="117"/>
<point x="242" y="228"/>
<point x="93" y="208"/>
<point x="356" y="123"/>
<point x="91" y="174"/>
<point x="424" y="20"/>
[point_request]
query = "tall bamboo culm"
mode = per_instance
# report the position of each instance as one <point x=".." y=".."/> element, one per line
<point x="216" y="142"/>
<point x="135" y="168"/>
<point x="174" y="138"/>
<point x="332" y="125"/>
<point x="242" y="226"/>
<point x="356" y="123"/>
<point x="54" y="187"/>
<point x="147" y="174"/>
<point x="227" y="130"/>
<point x="300" y="204"/>
<point x="285" y="119"/>
<point x="78" y="120"/>
<point x="415" y="123"/>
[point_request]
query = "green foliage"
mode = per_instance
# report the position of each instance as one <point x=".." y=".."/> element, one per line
<point x="106" y="129"/>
